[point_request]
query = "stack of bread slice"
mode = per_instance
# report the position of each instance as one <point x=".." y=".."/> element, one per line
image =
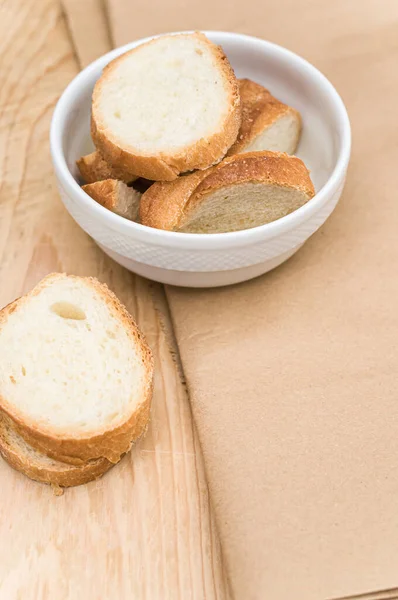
<point x="75" y="381"/>
<point x="169" y="111"/>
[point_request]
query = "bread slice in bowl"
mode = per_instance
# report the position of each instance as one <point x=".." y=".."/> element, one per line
<point x="35" y="465"/>
<point x="267" y="123"/>
<point x="167" y="106"/>
<point x="75" y="371"/>
<point x="115" y="196"/>
<point x="243" y="191"/>
<point x="93" y="167"/>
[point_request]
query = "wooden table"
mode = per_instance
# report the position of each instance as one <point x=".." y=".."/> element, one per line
<point x="144" y="531"/>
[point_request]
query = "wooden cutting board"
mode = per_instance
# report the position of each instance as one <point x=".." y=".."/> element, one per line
<point x="144" y="531"/>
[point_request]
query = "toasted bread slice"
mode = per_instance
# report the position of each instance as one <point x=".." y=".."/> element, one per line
<point x="75" y="371"/>
<point x="244" y="191"/>
<point x="267" y="123"/>
<point x="115" y="196"/>
<point x="168" y="106"/>
<point x="25" y="459"/>
<point x="94" y="168"/>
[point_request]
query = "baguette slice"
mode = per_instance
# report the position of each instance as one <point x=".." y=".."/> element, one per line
<point x="267" y="123"/>
<point x="75" y="371"/>
<point x="115" y="196"/>
<point x="40" y="467"/>
<point x="94" y="168"/>
<point x="243" y="191"/>
<point x="168" y="106"/>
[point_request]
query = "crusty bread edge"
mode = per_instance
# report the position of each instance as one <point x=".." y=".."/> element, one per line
<point x="256" y="131"/>
<point x="271" y="168"/>
<point x="300" y="127"/>
<point x="93" y="168"/>
<point x="71" y="476"/>
<point x="202" y="154"/>
<point x="272" y="110"/>
<point x="274" y="168"/>
<point x="108" y="193"/>
<point x="110" y="444"/>
<point x="238" y="168"/>
<point x="156" y="212"/>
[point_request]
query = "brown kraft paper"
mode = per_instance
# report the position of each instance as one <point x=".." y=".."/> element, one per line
<point x="292" y="377"/>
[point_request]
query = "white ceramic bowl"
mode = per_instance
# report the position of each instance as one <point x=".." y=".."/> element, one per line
<point x="213" y="259"/>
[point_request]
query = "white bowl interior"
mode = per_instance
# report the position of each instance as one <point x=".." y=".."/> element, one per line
<point x="290" y="79"/>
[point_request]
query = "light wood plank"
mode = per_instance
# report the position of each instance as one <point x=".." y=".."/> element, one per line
<point x="88" y="28"/>
<point x="145" y="530"/>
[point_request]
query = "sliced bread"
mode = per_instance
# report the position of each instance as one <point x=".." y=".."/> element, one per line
<point x="267" y="123"/>
<point x="75" y="371"/>
<point x="25" y="459"/>
<point x="115" y="196"/>
<point x="168" y="106"/>
<point x="94" y="168"/>
<point x="243" y="191"/>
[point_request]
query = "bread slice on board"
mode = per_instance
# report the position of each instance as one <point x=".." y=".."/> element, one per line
<point x="94" y="168"/>
<point x="75" y="371"/>
<point x="244" y="191"/>
<point x="267" y="123"/>
<point x="167" y="106"/>
<point x="115" y="196"/>
<point x="25" y="459"/>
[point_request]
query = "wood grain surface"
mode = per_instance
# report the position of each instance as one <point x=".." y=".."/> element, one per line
<point x="144" y="531"/>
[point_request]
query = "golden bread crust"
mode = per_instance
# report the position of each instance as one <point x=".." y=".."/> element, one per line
<point x="61" y="474"/>
<point x="94" y="168"/>
<point x="168" y="205"/>
<point x="259" y="110"/>
<point x="104" y="192"/>
<point x="156" y="212"/>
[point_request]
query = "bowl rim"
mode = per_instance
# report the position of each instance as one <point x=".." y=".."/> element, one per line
<point x="208" y="241"/>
